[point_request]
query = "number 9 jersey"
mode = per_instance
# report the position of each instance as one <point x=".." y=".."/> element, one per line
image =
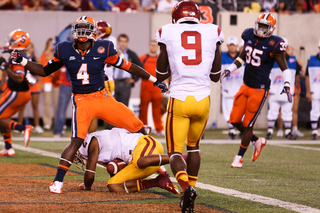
<point x="191" y="52"/>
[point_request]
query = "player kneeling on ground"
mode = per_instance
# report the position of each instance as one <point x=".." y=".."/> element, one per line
<point x="143" y="155"/>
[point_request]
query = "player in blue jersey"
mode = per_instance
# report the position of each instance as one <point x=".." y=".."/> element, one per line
<point x="260" y="52"/>
<point x="84" y="59"/>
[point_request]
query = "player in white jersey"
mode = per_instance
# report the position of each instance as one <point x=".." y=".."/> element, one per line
<point x="231" y="84"/>
<point x="192" y="51"/>
<point x="313" y="91"/>
<point x="143" y="155"/>
<point x="278" y="101"/>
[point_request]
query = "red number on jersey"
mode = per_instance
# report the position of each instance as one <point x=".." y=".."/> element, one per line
<point x="191" y="40"/>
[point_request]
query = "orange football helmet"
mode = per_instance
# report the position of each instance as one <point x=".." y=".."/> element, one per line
<point x="17" y="40"/>
<point x="84" y="28"/>
<point x="264" y="25"/>
<point x="185" y="11"/>
<point x="104" y="30"/>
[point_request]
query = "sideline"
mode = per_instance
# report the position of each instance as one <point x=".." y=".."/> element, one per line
<point x="230" y="192"/>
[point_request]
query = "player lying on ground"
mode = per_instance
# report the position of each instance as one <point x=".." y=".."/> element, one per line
<point x="143" y="155"/>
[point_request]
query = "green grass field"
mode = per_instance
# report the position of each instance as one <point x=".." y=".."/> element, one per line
<point x="288" y="174"/>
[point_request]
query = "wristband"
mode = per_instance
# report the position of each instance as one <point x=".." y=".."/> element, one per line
<point x="232" y="67"/>
<point x="240" y="60"/>
<point x="287" y="84"/>
<point x="286" y="74"/>
<point x="152" y="79"/>
<point x="24" y="61"/>
<point x="215" y="73"/>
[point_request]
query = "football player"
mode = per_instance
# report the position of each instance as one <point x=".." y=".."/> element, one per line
<point x="260" y="52"/>
<point x="143" y="155"/>
<point x="84" y="59"/>
<point x="17" y="93"/>
<point x="192" y="50"/>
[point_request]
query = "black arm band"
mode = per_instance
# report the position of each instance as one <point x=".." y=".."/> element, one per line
<point x="50" y="68"/>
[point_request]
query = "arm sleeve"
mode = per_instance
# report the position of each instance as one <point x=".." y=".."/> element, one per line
<point x="52" y="66"/>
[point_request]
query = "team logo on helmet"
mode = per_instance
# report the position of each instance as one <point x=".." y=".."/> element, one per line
<point x="17" y="40"/>
<point x="185" y="11"/>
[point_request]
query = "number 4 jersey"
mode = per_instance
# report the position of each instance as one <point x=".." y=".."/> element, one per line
<point x="191" y="52"/>
<point x="260" y="58"/>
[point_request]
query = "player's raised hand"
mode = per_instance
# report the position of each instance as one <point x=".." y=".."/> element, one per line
<point x="286" y="90"/>
<point x="162" y="86"/>
<point x="16" y="56"/>
<point x="225" y="73"/>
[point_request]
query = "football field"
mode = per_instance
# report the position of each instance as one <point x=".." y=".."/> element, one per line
<point x="285" y="178"/>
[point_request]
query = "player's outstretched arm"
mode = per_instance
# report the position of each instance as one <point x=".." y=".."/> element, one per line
<point x="235" y="65"/>
<point x="163" y="71"/>
<point x="216" y="65"/>
<point x="286" y="73"/>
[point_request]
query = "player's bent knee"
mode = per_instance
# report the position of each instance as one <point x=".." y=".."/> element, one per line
<point x="116" y="188"/>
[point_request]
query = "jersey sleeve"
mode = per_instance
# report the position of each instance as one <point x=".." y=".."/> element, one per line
<point x="280" y="45"/>
<point x="220" y="36"/>
<point x="246" y="34"/>
<point x="118" y="62"/>
<point x="159" y="36"/>
<point x="111" y="49"/>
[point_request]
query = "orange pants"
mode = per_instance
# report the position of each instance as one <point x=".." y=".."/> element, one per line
<point x="156" y="99"/>
<point x="248" y="102"/>
<point x="12" y="101"/>
<point x="100" y="105"/>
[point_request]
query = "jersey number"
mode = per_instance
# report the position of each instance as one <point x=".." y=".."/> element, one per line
<point x="83" y="74"/>
<point x="191" y="40"/>
<point x="253" y="56"/>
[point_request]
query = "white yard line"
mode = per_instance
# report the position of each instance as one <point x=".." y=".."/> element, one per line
<point x="252" y="197"/>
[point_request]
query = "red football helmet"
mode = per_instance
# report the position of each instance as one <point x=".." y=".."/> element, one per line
<point x="104" y="30"/>
<point x="264" y="25"/>
<point x="84" y="28"/>
<point x="185" y="11"/>
<point x="17" y="40"/>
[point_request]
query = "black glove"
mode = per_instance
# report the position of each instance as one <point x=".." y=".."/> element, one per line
<point x="3" y="63"/>
<point x="286" y="90"/>
<point x="225" y="73"/>
<point x="16" y="56"/>
<point x="162" y="86"/>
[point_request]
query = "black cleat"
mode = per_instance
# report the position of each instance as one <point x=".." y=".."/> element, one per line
<point x="231" y="136"/>
<point x="269" y="136"/>
<point x="314" y="137"/>
<point x="187" y="200"/>
<point x="290" y="136"/>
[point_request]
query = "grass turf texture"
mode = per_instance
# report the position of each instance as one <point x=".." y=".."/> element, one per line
<point x="287" y="174"/>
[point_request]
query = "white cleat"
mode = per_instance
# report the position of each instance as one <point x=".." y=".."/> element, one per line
<point x="257" y="147"/>
<point x="56" y="187"/>
<point x="237" y="162"/>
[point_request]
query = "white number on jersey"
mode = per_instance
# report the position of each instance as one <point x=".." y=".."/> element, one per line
<point x="191" y="40"/>
<point x="83" y="74"/>
<point x="253" y="57"/>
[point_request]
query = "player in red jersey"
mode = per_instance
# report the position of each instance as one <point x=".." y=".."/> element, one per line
<point x="84" y="59"/>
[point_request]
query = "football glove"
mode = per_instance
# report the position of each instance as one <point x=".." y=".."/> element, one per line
<point x="225" y="73"/>
<point x="3" y="63"/>
<point x="16" y="56"/>
<point x="286" y="90"/>
<point x="162" y="86"/>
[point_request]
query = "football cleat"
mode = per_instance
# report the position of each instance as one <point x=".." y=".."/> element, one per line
<point x="290" y="136"/>
<point x="314" y="137"/>
<point x="187" y="200"/>
<point x="280" y="133"/>
<point x="297" y="133"/>
<point x="164" y="182"/>
<point x="38" y="129"/>
<point x="26" y="134"/>
<point x="269" y="136"/>
<point x="257" y="147"/>
<point x="237" y="162"/>
<point x="56" y="187"/>
<point x="7" y="152"/>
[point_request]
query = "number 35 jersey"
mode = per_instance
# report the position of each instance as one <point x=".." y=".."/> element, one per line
<point x="191" y="52"/>
<point x="86" y="68"/>
<point x="260" y="58"/>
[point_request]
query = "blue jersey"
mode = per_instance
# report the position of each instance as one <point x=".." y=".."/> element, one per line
<point x="260" y="58"/>
<point x="14" y="86"/>
<point x="86" y="68"/>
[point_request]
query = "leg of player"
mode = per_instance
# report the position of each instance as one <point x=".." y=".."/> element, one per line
<point x="66" y="159"/>
<point x="152" y="160"/>
<point x="7" y="138"/>
<point x="193" y="164"/>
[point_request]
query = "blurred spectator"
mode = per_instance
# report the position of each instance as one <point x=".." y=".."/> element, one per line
<point x="149" y="5"/>
<point x="268" y="5"/>
<point x="313" y="91"/>
<point x="53" y="5"/>
<point x="32" y="5"/>
<point x="94" y="4"/>
<point x="124" y="80"/>
<point x="9" y="4"/>
<point x="77" y="5"/>
<point x="281" y="7"/>
<point x="65" y="90"/>
<point x="149" y="93"/>
<point x="300" y="6"/>
<point x="255" y="8"/>
<point x="316" y="7"/>
<point x="127" y="6"/>
<point x="35" y="93"/>
<point x="166" y="5"/>
<point x="50" y="87"/>
<point x="107" y="5"/>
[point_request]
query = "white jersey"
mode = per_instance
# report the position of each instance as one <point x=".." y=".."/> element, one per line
<point x="313" y="71"/>
<point x="108" y="69"/>
<point x="191" y="52"/>
<point x="114" y="143"/>
<point x="276" y="78"/>
<point x="230" y="85"/>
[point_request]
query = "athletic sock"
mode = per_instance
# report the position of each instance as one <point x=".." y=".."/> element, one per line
<point x="192" y="180"/>
<point x="146" y="184"/>
<point x="7" y="138"/>
<point x="61" y="172"/>
<point x="16" y="126"/>
<point x="182" y="178"/>
<point x="254" y="138"/>
<point x="242" y="150"/>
